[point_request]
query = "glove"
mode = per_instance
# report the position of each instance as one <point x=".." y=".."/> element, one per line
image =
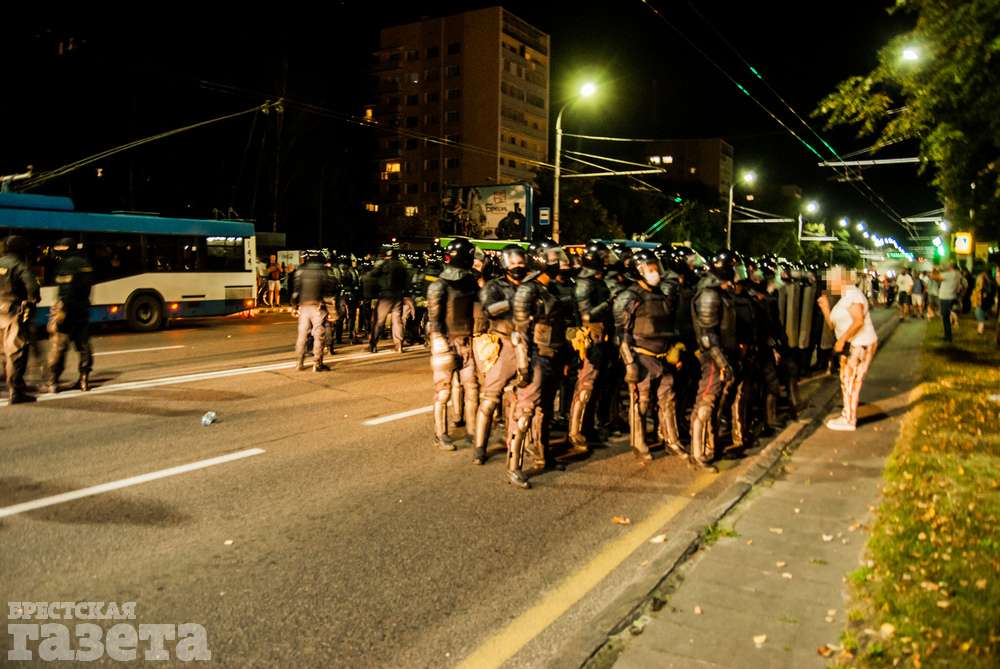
<point x="522" y="378"/>
<point x="632" y="373"/>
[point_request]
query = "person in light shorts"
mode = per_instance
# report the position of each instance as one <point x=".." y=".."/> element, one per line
<point x="851" y="321"/>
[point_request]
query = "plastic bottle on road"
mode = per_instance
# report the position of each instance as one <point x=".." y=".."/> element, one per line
<point x="208" y="418"/>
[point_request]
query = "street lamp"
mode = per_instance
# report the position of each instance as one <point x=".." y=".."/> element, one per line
<point x="749" y="178"/>
<point x="843" y="222"/>
<point x="587" y="90"/>
<point x="860" y="227"/>
<point x="911" y="54"/>
<point x="812" y="207"/>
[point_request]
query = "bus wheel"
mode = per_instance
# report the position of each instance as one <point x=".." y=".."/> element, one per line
<point x="145" y="313"/>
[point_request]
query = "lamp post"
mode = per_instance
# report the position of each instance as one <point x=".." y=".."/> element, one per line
<point x="587" y="90"/>
<point x="748" y="178"/>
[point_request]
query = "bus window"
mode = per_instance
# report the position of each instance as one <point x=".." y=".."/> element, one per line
<point x="41" y="259"/>
<point x="225" y="254"/>
<point x="114" y="255"/>
<point x="172" y="253"/>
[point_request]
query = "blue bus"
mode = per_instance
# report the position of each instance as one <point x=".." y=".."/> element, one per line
<point x="148" y="269"/>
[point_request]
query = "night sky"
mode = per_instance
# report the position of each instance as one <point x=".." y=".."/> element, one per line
<point x="157" y="72"/>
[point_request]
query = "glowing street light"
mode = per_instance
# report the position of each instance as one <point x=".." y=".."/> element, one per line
<point x="587" y="90"/>
<point x="812" y="207"/>
<point x="911" y="54"/>
<point x="860" y="227"/>
<point x="843" y="222"/>
<point x="749" y="178"/>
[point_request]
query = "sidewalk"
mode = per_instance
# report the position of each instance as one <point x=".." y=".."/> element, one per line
<point x="774" y="593"/>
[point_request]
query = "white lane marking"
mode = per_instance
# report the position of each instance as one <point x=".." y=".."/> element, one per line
<point x="398" y="416"/>
<point x="189" y="378"/>
<point x="125" y="483"/>
<point x="139" y="350"/>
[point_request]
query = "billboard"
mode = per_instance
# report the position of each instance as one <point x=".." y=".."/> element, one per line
<point x="487" y="212"/>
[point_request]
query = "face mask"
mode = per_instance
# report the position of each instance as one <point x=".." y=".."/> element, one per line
<point x="518" y="273"/>
<point x="652" y="279"/>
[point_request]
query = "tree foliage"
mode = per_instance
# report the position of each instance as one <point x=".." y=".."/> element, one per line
<point x="946" y="99"/>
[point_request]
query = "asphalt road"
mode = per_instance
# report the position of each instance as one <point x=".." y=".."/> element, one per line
<point x="340" y="543"/>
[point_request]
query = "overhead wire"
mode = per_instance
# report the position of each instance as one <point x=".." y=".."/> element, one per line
<point x="886" y="208"/>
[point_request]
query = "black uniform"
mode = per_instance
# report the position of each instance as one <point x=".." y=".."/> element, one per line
<point x="498" y="363"/>
<point x="452" y="311"/>
<point x="744" y="360"/>
<point x="313" y="284"/>
<point x="540" y="319"/>
<point x="596" y="319"/>
<point x="645" y="324"/>
<point x="19" y="295"/>
<point x="69" y="320"/>
<point x="714" y="320"/>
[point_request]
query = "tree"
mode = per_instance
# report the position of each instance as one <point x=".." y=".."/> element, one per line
<point x="582" y="216"/>
<point x="938" y="84"/>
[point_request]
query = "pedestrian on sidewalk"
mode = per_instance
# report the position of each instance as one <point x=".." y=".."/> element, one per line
<point x="856" y="343"/>
<point x="905" y="285"/>
<point x="918" y="294"/>
<point x="983" y="294"/>
<point x="949" y="290"/>
<point x="274" y="282"/>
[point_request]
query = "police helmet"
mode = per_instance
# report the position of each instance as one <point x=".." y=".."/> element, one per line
<point x="460" y="253"/>
<point x="645" y="261"/>
<point x="723" y="265"/>
<point x="546" y="256"/>
<point x="597" y="257"/>
<point x="17" y="245"/>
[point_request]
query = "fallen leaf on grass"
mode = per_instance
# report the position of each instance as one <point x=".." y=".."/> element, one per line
<point x="943" y="604"/>
<point x="658" y="539"/>
<point x="621" y="520"/>
<point x="927" y="585"/>
<point x="749" y="542"/>
<point x="797" y="510"/>
<point x="760" y="640"/>
<point x="827" y="538"/>
<point x="831" y="612"/>
<point x="887" y="631"/>
<point x="780" y="564"/>
<point x="776" y="530"/>
<point x="829" y="619"/>
<point x="697" y="610"/>
<point x="826" y="651"/>
<point x="228" y="542"/>
<point x="854" y="527"/>
<point x="786" y="575"/>
<point x="981" y="584"/>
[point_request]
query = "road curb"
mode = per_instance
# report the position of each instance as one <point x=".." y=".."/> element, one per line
<point x="597" y="646"/>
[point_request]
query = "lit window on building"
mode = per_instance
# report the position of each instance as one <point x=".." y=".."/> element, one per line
<point x="371" y="206"/>
<point x="369" y="113"/>
<point x="693" y="170"/>
<point x="393" y="166"/>
<point x="411" y="211"/>
<point x="654" y="160"/>
<point x="667" y="160"/>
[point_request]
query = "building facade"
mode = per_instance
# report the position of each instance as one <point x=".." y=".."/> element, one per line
<point x="467" y="100"/>
<point x="703" y="163"/>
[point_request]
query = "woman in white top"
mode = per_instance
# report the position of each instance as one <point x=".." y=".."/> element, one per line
<point x="851" y="321"/>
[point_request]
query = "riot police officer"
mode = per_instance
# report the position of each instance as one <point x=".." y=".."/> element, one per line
<point x="495" y="350"/>
<point x="313" y="284"/>
<point x="452" y="306"/>
<point x="539" y="338"/>
<point x="69" y="317"/>
<point x="644" y="317"/>
<point x="19" y="295"/>
<point x="593" y="303"/>
<point x="714" y="322"/>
